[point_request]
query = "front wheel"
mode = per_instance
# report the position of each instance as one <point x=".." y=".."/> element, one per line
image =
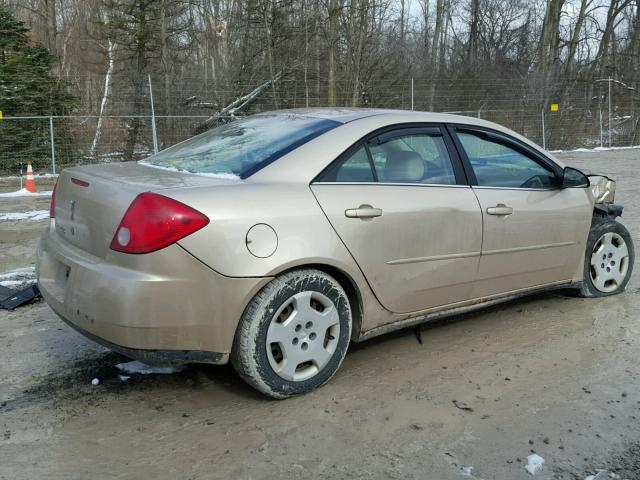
<point x="608" y="260"/>
<point x="294" y="334"/>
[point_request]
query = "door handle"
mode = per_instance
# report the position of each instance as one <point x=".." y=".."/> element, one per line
<point x="363" y="211"/>
<point x="500" y="209"/>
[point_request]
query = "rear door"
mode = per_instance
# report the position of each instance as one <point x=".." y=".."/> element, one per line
<point x="534" y="231"/>
<point x="400" y="203"/>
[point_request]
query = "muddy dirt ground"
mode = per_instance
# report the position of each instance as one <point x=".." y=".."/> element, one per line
<point x="553" y="374"/>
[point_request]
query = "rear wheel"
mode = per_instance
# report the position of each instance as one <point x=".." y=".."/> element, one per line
<point x="608" y="260"/>
<point x="294" y="334"/>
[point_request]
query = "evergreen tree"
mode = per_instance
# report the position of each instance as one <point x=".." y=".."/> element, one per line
<point x="27" y="88"/>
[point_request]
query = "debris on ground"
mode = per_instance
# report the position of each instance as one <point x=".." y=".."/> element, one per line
<point x="601" y="475"/>
<point x="123" y="378"/>
<point x="418" y="331"/>
<point x="144" y="369"/>
<point x="534" y="463"/>
<point x="467" y="471"/>
<point x="463" y="406"/>
<point x="620" y="464"/>
<point x="11" y="299"/>
<point x="95" y="381"/>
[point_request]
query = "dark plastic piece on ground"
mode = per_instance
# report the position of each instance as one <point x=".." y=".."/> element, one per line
<point x="10" y="299"/>
<point x="6" y="293"/>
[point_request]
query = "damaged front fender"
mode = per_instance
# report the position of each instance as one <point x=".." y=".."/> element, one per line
<point x="603" y="189"/>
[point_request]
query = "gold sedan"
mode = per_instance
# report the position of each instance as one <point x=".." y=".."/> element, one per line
<point x="276" y="240"/>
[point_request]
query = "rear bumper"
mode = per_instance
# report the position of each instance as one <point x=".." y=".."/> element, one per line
<point x="165" y="306"/>
<point x="161" y="357"/>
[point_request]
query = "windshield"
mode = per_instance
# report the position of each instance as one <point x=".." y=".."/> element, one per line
<point x="242" y="147"/>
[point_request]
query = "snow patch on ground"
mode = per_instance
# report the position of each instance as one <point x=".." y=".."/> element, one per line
<point x="19" y="276"/>
<point x="534" y="464"/>
<point x="31" y="215"/>
<point x="596" y="149"/>
<point x="26" y="193"/>
<point x="144" y="369"/>
<point x="467" y="471"/>
<point x="221" y="176"/>
<point x="36" y="175"/>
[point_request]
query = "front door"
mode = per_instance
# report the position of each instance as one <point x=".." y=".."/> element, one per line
<point x="400" y="204"/>
<point x="534" y="231"/>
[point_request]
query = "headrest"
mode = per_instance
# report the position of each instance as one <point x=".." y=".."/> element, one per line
<point x="404" y="167"/>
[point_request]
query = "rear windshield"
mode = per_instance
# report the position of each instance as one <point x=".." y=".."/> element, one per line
<point x="242" y="147"/>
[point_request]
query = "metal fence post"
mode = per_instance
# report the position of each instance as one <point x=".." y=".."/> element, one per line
<point x="411" y="93"/>
<point x="601" y="133"/>
<point x="154" y="133"/>
<point x="544" y="140"/>
<point x="610" y="112"/>
<point x="53" y="145"/>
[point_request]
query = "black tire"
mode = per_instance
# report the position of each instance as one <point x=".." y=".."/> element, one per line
<point x="249" y="355"/>
<point x="599" y="227"/>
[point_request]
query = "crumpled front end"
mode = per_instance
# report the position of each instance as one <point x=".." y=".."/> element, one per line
<point x="602" y="188"/>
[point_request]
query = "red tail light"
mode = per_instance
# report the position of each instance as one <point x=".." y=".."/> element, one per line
<point x="52" y="207"/>
<point x="153" y="222"/>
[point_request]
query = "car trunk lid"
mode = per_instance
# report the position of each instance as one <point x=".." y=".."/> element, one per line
<point x="92" y="200"/>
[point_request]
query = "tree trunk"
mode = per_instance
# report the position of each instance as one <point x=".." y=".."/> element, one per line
<point x="269" y="40"/>
<point x="575" y="36"/>
<point x="52" y="25"/>
<point x="436" y="47"/>
<point x="602" y="57"/>
<point x="105" y="95"/>
<point x="305" y="19"/>
<point x="548" y="51"/>
<point x="331" y="54"/>
<point x="164" y="56"/>
<point x="357" y="67"/>
<point x="472" y="48"/>
<point x="139" y="80"/>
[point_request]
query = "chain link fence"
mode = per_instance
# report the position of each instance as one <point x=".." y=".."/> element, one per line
<point x="600" y="114"/>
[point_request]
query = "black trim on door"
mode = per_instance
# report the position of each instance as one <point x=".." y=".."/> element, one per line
<point x="389" y="132"/>
<point x="503" y="139"/>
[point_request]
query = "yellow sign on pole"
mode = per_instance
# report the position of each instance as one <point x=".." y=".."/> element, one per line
<point x="555" y="107"/>
<point x="0" y="114"/>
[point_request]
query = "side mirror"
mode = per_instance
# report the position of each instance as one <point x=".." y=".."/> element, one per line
<point x="574" y="178"/>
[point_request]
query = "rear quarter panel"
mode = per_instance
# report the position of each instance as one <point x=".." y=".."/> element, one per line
<point x="304" y="235"/>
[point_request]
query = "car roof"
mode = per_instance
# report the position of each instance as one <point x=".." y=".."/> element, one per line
<point x="349" y="114"/>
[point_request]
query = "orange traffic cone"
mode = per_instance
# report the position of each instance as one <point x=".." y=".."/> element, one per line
<point x="31" y="181"/>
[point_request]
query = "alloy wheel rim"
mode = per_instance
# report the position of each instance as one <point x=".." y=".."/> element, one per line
<point x="609" y="262"/>
<point x="303" y="336"/>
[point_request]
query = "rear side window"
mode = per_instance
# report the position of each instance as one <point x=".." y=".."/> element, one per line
<point x="242" y="147"/>
<point x="353" y="168"/>
<point x="414" y="158"/>
<point x="498" y="165"/>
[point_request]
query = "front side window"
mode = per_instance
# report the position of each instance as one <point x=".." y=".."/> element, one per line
<point x="413" y="158"/>
<point x="242" y="147"/>
<point x="498" y="165"/>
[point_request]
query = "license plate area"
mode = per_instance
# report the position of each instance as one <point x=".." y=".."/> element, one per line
<point x="54" y="276"/>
